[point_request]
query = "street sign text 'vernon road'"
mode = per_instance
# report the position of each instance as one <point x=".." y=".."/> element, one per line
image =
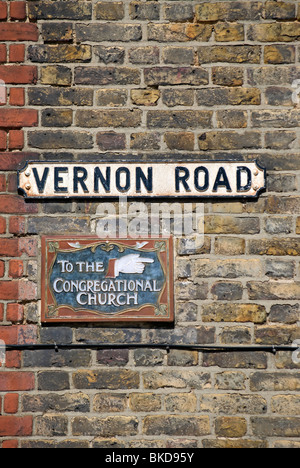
<point x="202" y="179"/>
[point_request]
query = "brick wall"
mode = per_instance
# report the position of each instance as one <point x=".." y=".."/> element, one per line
<point x="90" y="80"/>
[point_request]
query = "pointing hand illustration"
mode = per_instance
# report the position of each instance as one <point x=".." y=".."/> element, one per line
<point x="132" y="263"/>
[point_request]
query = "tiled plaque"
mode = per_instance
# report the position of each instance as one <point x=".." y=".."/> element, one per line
<point x="86" y="279"/>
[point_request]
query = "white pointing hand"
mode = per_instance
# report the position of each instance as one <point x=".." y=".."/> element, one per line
<point x="132" y="263"/>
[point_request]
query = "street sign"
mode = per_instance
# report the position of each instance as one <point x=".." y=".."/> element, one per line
<point x="86" y="279"/>
<point x="162" y="180"/>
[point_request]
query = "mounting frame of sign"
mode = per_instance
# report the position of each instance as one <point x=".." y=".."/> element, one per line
<point x="88" y="279"/>
<point x="202" y="179"/>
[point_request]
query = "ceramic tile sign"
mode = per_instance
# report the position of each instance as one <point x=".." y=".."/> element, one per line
<point x="162" y="180"/>
<point x="86" y="279"/>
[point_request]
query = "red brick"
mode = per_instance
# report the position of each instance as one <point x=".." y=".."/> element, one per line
<point x="14" y="161"/>
<point x="13" y="360"/>
<point x="9" y="290"/>
<point x="3" y="93"/>
<point x="18" y="334"/>
<point x="27" y="290"/>
<point x="2" y="268"/>
<point x="9" y="247"/>
<point x="16" y="381"/>
<point x="17" y="10"/>
<point x="3" y="10"/>
<point x="17" y="225"/>
<point x="10" y="444"/>
<point x="28" y="246"/>
<point x="16" y="139"/>
<point x="12" y="183"/>
<point x="1" y="312"/>
<point x="18" y="74"/>
<point x="15" y="426"/>
<point x="2" y="53"/>
<point x="16" y="268"/>
<point x="17" y="118"/>
<point x="2" y="183"/>
<point x="3" y="139"/>
<point x="17" y="97"/>
<point x="15" y="204"/>
<point x="18" y="290"/>
<point x="14" y="313"/>
<point x="11" y="403"/>
<point x="17" y="52"/>
<point x="2" y="225"/>
<point x="19" y="32"/>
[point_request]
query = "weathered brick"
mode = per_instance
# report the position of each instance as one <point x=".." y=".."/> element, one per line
<point x="48" y="96"/>
<point x="167" y="76"/>
<point x="228" y="268"/>
<point x="145" y="97"/>
<point x="176" y="425"/>
<point x="106" y="378"/>
<point x="279" y="54"/>
<point x="176" y="379"/>
<point x="106" y="76"/>
<point x="227" y="140"/>
<point x="56" y="75"/>
<point x="144" y="55"/>
<point x="176" y="32"/>
<point x="60" y="10"/>
<point x="275" y="246"/>
<point x="179" y="119"/>
<point x="57" y="32"/>
<point x="228" y="96"/>
<point x="276" y="427"/>
<point x="286" y="405"/>
<point x="229" y="32"/>
<point x="230" y="427"/>
<point x="230" y="312"/>
<point x="111" y="97"/>
<point x="144" y="402"/>
<point x="111" y="141"/>
<point x="145" y="141"/>
<point x="110" y="54"/>
<point x="108" y="32"/>
<point x="273" y="290"/>
<point x="105" y="426"/>
<point x="178" y="97"/>
<point x="229" y="11"/>
<point x="57" y="117"/>
<point x="180" y="141"/>
<point x="59" y="53"/>
<point x="226" y="403"/>
<point x="60" y="139"/>
<point x="279" y="10"/>
<point x="77" y="402"/>
<point x="109" y="118"/>
<point x="274" y="32"/>
<point x="229" y="54"/>
<point x="51" y="425"/>
<point x="109" y="11"/>
<point x="144" y="11"/>
<point x="178" y="55"/>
